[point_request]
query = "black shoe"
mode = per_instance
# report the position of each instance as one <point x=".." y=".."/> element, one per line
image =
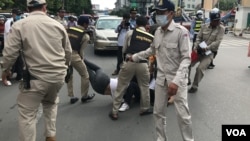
<point x="192" y="90"/>
<point x="89" y="97"/>
<point x="147" y="112"/>
<point x="73" y="100"/>
<point x="113" y="116"/>
<point x="210" y="67"/>
<point x="19" y="78"/>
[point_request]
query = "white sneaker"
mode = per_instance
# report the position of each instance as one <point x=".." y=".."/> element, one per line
<point x="124" y="107"/>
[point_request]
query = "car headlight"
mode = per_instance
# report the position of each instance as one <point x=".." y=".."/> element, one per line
<point x="100" y="37"/>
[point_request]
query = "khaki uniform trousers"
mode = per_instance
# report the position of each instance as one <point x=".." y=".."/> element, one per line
<point x="28" y="102"/>
<point x="80" y="67"/>
<point x="127" y="72"/>
<point x="200" y="70"/>
<point x="182" y="112"/>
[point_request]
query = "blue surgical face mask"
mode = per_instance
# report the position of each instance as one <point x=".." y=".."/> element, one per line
<point x="161" y="19"/>
<point x="18" y="17"/>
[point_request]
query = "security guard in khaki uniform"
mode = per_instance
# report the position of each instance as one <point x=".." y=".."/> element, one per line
<point x="135" y="41"/>
<point x="46" y="56"/>
<point x="60" y="18"/>
<point x="171" y="46"/>
<point x="212" y="34"/>
<point x="79" y="40"/>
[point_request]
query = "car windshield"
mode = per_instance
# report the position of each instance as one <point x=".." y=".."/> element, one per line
<point x="107" y="23"/>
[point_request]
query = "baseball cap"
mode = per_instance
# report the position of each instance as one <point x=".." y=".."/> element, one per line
<point x="165" y="5"/>
<point x="33" y="3"/>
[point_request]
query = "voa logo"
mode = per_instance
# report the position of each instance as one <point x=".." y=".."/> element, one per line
<point x="236" y="132"/>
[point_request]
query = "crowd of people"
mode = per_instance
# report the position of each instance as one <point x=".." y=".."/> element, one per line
<point x="152" y="71"/>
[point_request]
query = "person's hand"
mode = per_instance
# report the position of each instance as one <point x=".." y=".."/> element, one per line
<point x="5" y="75"/>
<point x="172" y="89"/>
<point x="129" y="59"/>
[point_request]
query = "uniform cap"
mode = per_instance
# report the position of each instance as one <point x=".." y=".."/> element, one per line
<point x="33" y="3"/>
<point x="165" y="5"/>
<point x="133" y="9"/>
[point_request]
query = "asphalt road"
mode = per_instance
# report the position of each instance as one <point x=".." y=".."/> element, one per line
<point x="222" y="98"/>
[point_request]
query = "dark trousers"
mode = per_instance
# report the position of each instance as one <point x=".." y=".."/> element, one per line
<point x="2" y="44"/>
<point x="18" y="68"/>
<point x="119" y="58"/>
<point x="194" y="39"/>
<point x="96" y="76"/>
<point x="132" y="89"/>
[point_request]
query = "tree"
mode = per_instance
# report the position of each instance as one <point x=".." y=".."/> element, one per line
<point x="121" y="11"/>
<point x="72" y="6"/>
<point x="225" y="5"/>
<point x="5" y="3"/>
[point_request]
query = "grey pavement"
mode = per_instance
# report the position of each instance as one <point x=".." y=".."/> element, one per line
<point x="222" y="98"/>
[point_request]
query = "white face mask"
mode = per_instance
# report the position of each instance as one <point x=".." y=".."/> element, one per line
<point x="161" y="19"/>
<point x="200" y="16"/>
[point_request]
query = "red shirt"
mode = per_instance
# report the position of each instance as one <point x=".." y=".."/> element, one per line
<point x="1" y="28"/>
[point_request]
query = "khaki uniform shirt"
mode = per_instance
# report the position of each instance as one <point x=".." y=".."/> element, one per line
<point x="172" y="50"/>
<point x="46" y="47"/>
<point x="212" y="36"/>
<point x="62" y="21"/>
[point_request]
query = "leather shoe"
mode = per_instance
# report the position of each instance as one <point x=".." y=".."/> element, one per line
<point x="89" y="97"/>
<point x="147" y="112"/>
<point x="192" y="90"/>
<point x="73" y="100"/>
<point x="50" y="138"/>
<point x="113" y="116"/>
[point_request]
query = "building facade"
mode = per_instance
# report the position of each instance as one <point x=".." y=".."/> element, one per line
<point x="242" y="16"/>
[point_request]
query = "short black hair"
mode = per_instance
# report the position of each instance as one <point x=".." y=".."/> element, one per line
<point x="83" y="20"/>
<point x="37" y="7"/>
<point x="126" y="16"/>
<point x="141" y="21"/>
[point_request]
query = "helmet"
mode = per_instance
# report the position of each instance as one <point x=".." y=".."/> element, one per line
<point x="199" y="12"/>
<point x="214" y="14"/>
<point x="215" y="10"/>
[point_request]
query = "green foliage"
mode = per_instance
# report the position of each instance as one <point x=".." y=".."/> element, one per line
<point x="71" y="6"/>
<point x="6" y="3"/>
<point x="225" y="5"/>
<point x="120" y="12"/>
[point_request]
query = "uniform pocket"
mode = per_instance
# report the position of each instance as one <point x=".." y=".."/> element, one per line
<point x="172" y="49"/>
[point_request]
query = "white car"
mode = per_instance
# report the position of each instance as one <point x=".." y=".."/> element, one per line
<point x="105" y="36"/>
